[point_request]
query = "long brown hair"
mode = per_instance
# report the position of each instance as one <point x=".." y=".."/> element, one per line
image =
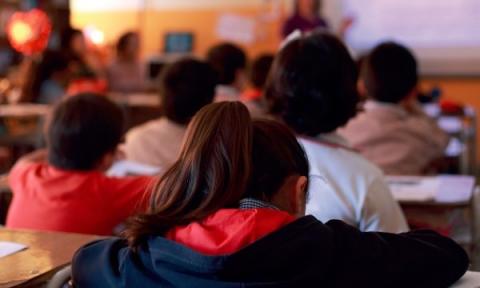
<point x="212" y="172"/>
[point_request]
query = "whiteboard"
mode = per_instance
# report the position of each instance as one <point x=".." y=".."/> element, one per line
<point x="444" y="34"/>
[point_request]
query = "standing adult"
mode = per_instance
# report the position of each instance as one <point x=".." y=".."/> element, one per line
<point x="307" y="17"/>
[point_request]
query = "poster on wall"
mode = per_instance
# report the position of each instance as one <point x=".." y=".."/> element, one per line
<point x="236" y="28"/>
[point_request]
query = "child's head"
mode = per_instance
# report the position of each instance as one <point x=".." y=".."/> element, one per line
<point x="128" y="46"/>
<point x="73" y="42"/>
<point x="390" y="73"/>
<point x="186" y="86"/>
<point x="277" y="162"/>
<point x="230" y="62"/>
<point x="83" y="133"/>
<point x="226" y="157"/>
<point x="259" y="71"/>
<point x="313" y="85"/>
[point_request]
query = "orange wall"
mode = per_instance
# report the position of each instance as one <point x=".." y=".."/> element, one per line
<point x="154" y="24"/>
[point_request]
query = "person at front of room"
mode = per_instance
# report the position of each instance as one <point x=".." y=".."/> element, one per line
<point x="393" y="131"/>
<point x="313" y="89"/>
<point x="230" y="213"/>
<point x="65" y="189"/>
<point x="307" y="17"/>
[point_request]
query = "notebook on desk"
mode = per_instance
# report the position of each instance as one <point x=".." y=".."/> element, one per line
<point x="444" y="189"/>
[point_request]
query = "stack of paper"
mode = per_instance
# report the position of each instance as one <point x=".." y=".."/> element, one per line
<point x="406" y="188"/>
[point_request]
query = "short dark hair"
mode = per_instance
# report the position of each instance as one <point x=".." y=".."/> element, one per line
<point x="313" y="84"/>
<point x="122" y="42"/>
<point x="186" y="86"/>
<point x="260" y="69"/>
<point x="82" y="130"/>
<point x="67" y="37"/>
<point x="226" y="59"/>
<point x="390" y="72"/>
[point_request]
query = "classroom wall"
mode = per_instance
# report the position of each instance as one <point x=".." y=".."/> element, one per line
<point x="156" y="17"/>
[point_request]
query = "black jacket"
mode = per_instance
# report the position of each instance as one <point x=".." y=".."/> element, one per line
<point x="305" y="253"/>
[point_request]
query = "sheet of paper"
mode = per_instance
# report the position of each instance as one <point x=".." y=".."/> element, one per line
<point x="406" y="188"/>
<point x="455" y="148"/>
<point x="124" y="168"/>
<point x="8" y="248"/>
<point x="469" y="280"/>
<point x="446" y="189"/>
<point x="455" y="189"/>
<point x="450" y="124"/>
<point x="236" y="28"/>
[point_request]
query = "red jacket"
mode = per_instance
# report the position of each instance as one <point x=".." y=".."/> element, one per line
<point x="229" y="230"/>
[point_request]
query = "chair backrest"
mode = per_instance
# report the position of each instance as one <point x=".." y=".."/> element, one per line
<point x="61" y="279"/>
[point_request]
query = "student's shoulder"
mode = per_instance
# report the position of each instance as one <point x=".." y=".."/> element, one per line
<point x="23" y="169"/>
<point x="96" y="262"/>
<point x="143" y="130"/>
<point x="347" y="158"/>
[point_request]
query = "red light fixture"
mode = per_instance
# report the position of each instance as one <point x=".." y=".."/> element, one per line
<point x="28" y="32"/>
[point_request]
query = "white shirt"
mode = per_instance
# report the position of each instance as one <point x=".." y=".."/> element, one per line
<point x="155" y="143"/>
<point x="345" y="186"/>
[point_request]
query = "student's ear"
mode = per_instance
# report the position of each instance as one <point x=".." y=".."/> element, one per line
<point x="107" y="161"/>
<point x="298" y="197"/>
<point x="410" y="101"/>
<point x="241" y="81"/>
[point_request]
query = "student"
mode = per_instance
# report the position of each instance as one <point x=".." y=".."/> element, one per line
<point x="186" y="86"/>
<point x="229" y="213"/>
<point x="230" y="63"/>
<point x="74" y="45"/>
<point x="126" y="74"/>
<point x="257" y="76"/>
<point x="51" y="78"/>
<point x="393" y="132"/>
<point x="312" y="88"/>
<point x="307" y="17"/>
<point x="65" y="189"/>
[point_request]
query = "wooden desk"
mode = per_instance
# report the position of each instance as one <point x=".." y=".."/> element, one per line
<point x="444" y="203"/>
<point x="47" y="252"/>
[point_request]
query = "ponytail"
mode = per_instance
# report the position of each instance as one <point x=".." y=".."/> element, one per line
<point x="212" y="172"/>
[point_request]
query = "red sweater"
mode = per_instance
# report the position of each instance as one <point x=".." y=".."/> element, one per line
<point x="46" y="198"/>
